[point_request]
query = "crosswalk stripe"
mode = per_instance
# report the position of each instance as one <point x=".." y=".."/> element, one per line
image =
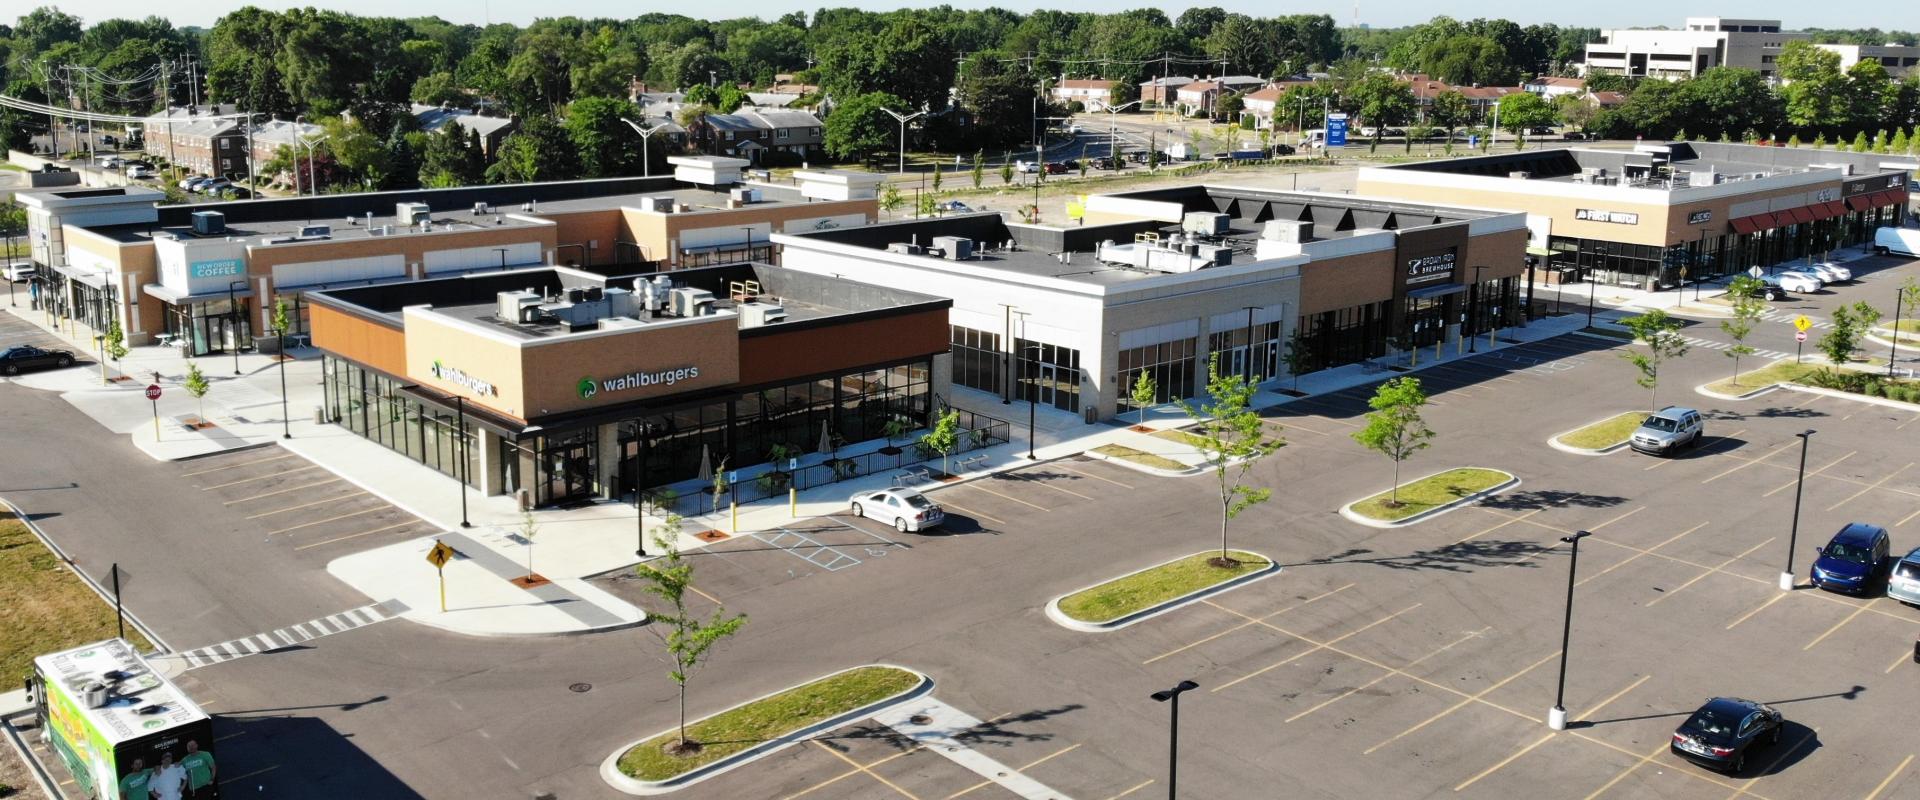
<point x="267" y="642"/>
<point x="237" y="644"/>
<point x="191" y="660"/>
<point x="301" y="629"/>
<point x="366" y="615"/>
<point x="285" y="640"/>
<point x="339" y="622"/>
<point x="342" y="622"/>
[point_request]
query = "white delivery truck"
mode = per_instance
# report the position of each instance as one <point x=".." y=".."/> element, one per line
<point x="1898" y="241"/>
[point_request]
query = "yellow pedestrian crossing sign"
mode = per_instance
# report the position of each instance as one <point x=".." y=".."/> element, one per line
<point x="440" y="554"/>
<point x="1802" y="323"/>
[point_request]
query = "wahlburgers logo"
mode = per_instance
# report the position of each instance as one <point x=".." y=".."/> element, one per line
<point x="460" y="378"/>
<point x="590" y="386"/>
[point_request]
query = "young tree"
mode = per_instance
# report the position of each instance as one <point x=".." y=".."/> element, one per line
<point x="1849" y="324"/>
<point x="1298" y="355"/>
<point x="1144" y="392"/>
<point x="1450" y="110"/>
<point x="1661" y="335"/>
<point x="528" y="530"/>
<point x="719" y="481"/>
<point x="936" y="177"/>
<point x="890" y="199"/>
<point x="1743" y="292"/>
<point x="1232" y="437"/>
<point x="116" y="343"/>
<point x="1006" y="174"/>
<point x="943" y="437"/>
<point x="1395" y="428"/>
<point x="979" y="170"/>
<point x="196" y="385"/>
<point x="688" y="637"/>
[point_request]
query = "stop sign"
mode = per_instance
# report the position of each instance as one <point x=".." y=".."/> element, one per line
<point x="153" y="391"/>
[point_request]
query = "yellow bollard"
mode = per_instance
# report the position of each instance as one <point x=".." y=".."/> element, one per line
<point x="793" y="502"/>
<point x="736" y="516"/>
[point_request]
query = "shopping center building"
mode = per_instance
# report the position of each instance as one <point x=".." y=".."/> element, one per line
<point x="206" y="277"/>
<point x="561" y="385"/>
<point x="1161" y="281"/>
<point x="1640" y="217"/>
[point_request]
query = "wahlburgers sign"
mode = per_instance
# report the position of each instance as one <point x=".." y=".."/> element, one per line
<point x="461" y="379"/>
<point x="590" y="386"/>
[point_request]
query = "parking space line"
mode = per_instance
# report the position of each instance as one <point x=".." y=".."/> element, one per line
<point x="1250" y="622"/>
<point x="1709" y="571"/>
<point x="1889" y="779"/>
<point x="1462" y="704"/>
<point x="260" y="477"/>
<point x="1757" y="609"/>
<point x="1292" y="427"/>
<point x="862" y="767"/>
<point x="225" y="781"/>
<point x="358" y="535"/>
<point x="1503" y="762"/>
<point x="1777" y="758"/>
<point x="1789" y="484"/>
<point x="1875" y="485"/>
<point x="1314" y="649"/>
<point x="1836" y="626"/>
<point x="1383" y="676"/>
<point x="1622" y="775"/>
<point x="1137" y="787"/>
<point x="1904" y="520"/>
<point x="976" y="485"/>
<point x="283" y="491"/>
<point x="1686" y="773"/>
<point x="1743" y="465"/>
<point x="1904" y="655"/>
<point x="1630" y="559"/>
<point x="1658" y="463"/>
<point x="969" y="512"/>
<point x="1840" y="478"/>
<point x="304" y="505"/>
<point x="1023" y="768"/>
<point x="1509" y="520"/>
<point x="381" y="507"/>
<point x="239" y="465"/>
<point x="852" y="772"/>
<point x="1091" y="475"/>
<point x="1903" y="426"/>
<point x="1038" y="482"/>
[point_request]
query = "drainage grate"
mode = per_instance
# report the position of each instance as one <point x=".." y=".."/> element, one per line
<point x="580" y="688"/>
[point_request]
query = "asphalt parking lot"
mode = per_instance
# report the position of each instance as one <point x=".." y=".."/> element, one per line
<point x="299" y="505"/>
<point x="17" y="331"/>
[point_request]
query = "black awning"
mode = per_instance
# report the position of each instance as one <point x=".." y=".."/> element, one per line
<point x="1440" y="290"/>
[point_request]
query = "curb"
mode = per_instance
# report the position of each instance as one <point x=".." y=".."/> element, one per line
<point x="1060" y="618"/>
<point x="1702" y="389"/>
<point x="1878" y="401"/>
<point x="105" y="597"/>
<point x="1164" y="473"/>
<point x="20" y="747"/>
<point x="1555" y="443"/>
<point x="1512" y="481"/>
<point x="610" y="767"/>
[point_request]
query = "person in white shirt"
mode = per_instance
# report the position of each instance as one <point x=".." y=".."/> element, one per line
<point x="169" y="781"/>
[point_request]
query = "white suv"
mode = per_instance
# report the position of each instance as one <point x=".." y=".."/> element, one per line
<point x="1831" y="272"/>
<point x="1801" y="282"/>
<point x="1667" y="430"/>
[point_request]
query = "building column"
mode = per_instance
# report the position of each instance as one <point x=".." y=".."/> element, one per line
<point x="488" y="464"/>
<point x="608" y="456"/>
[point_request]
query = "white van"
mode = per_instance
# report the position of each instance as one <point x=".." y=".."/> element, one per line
<point x="1898" y="241"/>
<point x="1313" y="138"/>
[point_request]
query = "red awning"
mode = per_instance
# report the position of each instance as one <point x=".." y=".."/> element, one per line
<point x="1835" y="208"/>
<point x="1882" y="198"/>
<point x="1782" y="219"/>
<point x="1859" y="202"/>
<point x="1802" y="214"/>
<point x="1899" y="195"/>
<point x="1750" y="224"/>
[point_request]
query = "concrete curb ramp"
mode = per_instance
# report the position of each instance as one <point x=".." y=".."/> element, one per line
<point x="610" y="768"/>
<point x="1060" y="617"/>
<point x="1512" y="481"/>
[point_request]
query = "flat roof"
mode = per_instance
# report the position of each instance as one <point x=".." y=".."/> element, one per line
<point x="700" y="199"/>
<point x="1650" y="165"/>
<point x="360" y="228"/>
<point x="141" y="702"/>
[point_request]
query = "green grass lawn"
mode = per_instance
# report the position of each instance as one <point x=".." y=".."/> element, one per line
<point x="48" y="608"/>
<point x="1140" y="457"/>
<point x="1117" y="598"/>
<point x="1605" y="433"/>
<point x="1183" y="437"/>
<point x="1750" y="380"/>
<point x="732" y="731"/>
<point x="1626" y="336"/>
<point x="1429" y="493"/>
<point x="8" y="165"/>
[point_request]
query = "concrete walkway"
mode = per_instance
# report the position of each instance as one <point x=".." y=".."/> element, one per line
<point x="945" y="730"/>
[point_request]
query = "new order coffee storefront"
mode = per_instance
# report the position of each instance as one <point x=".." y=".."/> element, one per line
<point x="562" y="386"/>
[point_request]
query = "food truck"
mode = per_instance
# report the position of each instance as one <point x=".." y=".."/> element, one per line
<point x="123" y="730"/>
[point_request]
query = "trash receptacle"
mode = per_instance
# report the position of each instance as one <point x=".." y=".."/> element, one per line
<point x="319" y="415"/>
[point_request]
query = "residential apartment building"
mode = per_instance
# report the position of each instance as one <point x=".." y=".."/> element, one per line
<point x="204" y="140"/>
<point x="1704" y="43"/>
<point x="1093" y="94"/>
<point x="1551" y="87"/>
<point x="750" y="133"/>
<point x="493" y="130"/>
<point x="1159" y="91"/>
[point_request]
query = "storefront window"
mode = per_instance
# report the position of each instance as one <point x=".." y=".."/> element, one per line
<point x="1357" y="333"/>
<point x="1169" y="364"/>
<point x="978" y="362"/>
<point x="1231" y="347"/>
<point x="1048" y="374"/>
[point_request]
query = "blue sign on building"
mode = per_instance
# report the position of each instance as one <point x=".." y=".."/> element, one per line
<point x="217" y="268"/>
<point x="1336" y="130"/>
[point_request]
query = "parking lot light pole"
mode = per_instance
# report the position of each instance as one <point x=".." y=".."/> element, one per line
<point x="1033" y="400"/>
<point x="1557" y="716"/>
<point x="1900" y="302"/>
<point x="1173" y="732"/>
<point x="233" y="318"/>
<point x="460" y="403"/>
<point x="1473" y="312"/>
<point x="1793" y="533"/>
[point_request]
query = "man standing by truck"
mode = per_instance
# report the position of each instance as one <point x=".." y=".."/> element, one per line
<point x="170" y="781"/>
<point x="135" y="785"/>
<point x="200" y="771"/>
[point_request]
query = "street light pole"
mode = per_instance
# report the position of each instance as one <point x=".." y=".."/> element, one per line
<point x="903" y="120"/>
<point x="1473" y="304"/>
<point x="639" y="493"/>
<point x="1893" y="352"/>
<point x="286" y="422"/>
<point x="1173" y="732"/>
<point x="233" y="321"/>
<point x="1557" y="716"/>
<point x="1033" y="399"/>
<point x="646" y="157"/>
<point x="460" y="403"/>
<point x="1793" y="533"/>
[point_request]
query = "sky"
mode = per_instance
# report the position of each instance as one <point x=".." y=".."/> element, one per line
<point x="1899" y="15"/>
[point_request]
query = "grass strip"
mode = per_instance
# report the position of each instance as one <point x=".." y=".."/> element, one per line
<point x="1605" y="433"/>
<point x="734" y="730"/>
<point x="1142" y="590"/>
<point x="1755" y="379"/>
<point x="1183" y="437"/>
<point x="1611" y="333"/>
<point x="1141" y="457"/>
<point x="48" y="608"/>
<point x="1430" y="493"/>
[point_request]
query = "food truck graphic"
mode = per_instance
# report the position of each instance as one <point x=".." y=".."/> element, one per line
<point x="123" y="731"/>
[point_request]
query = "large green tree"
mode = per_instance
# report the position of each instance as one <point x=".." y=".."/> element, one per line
<point x="539" y="151"/>
<point x="607" y="147"/>
<point x="858" y="128"/>
<point x="1384" y="100"/>
<point x="1814" y="87"/>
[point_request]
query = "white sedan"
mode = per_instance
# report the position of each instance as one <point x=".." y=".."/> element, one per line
<point x="1831" y="272"/>
<point x="907" y="509"/>
<point x="1798" y="281"/>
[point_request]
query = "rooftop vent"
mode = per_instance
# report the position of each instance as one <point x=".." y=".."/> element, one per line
<point x="690" y="302"/>
<point x="1287" y="231"/>
<point x="209" y="223"/>
<point x="411" y="213"/>
<point x="480" y="208"/>
<point x="518" y="307"/>
<point x="755" y="315"/>
<point x="955" y="248"/>
<point x="906" y="248"/>
<point x="1206" y="223"/>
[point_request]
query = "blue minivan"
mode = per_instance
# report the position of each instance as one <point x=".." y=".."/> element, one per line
<point x="1853" y="560"/>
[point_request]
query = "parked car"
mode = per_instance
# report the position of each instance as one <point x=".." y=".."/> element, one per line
<point x="19" y="358"/>
<point x="1104" y="162"/>
<point x="955" y="207"/>
<point x="19" y="271"/>
<point x="1057" y="168"/>
<point x="1667" y="430"/>
<point x="1798" y="281"/>
<point x="1831" y="272"/>
<point x="109" y="140"/>
<point x="52" y="167"/>
<point x="234" y="193"/>
<point x="1574" y="136"/>
<point x="1540" y="130"/>
<point x="1719" y="734"/>
<point x="212" y="185"/>
<point x="1853" y="559"/>
<point x="1897" y="241"/>
<point x="1026" y="167"/>
<point x="1903" y="581"/>
<point x="1283" y="150"/>
<point x="1770" y="289"/>
<point x="192" y="183"/>
<point x="141" y="172"/>
<point x="908" y="510"/>
<point x="112" y="162"/>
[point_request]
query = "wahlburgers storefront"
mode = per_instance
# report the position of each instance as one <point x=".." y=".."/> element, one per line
<point x="562" y="386"/>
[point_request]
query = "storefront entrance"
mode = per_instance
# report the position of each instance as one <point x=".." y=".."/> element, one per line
<point x="211" y="327"/>
<point x="567" y="468"/>
<point x="1425" y="319"/>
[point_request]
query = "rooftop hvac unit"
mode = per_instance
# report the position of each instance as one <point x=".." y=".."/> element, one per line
<point x="744" y="195"/>
<point x="517" y="307"/>
<point x="1520" y="175"/>
<point x="1287" y="231"/>
<point x="1216" y="255"/>
<point x="754" y="315"/>
<point x="957" y="248"/>
<point x="1206" y="223"/>
<point x="316" y="231"/>
<point x="653" y="294"/>
<point x="690" y="302"/>
<point x="480" y="208"/>
<point x="411" y="213"/>
<point x="906" y="248"/>
<point x="620" y="302"/>
<point x="209" y="223"/>
<point x="1594" y="171"/>
<point x="657" y="205"/>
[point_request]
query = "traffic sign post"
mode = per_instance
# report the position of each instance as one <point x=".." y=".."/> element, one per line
<point x="1800" y="324"/>
<point x="438" y="557"/>
<point x="153" y="396"/>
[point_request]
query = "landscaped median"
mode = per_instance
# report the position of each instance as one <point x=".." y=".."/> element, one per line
<point x="759" y="727"/>
<point x="1141" y="460"/>
<point x="1156" y="590"/>
<point x="1429" y="496"/>
<point x="1600" y="438"/>
<point x="1755" y="381"/>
